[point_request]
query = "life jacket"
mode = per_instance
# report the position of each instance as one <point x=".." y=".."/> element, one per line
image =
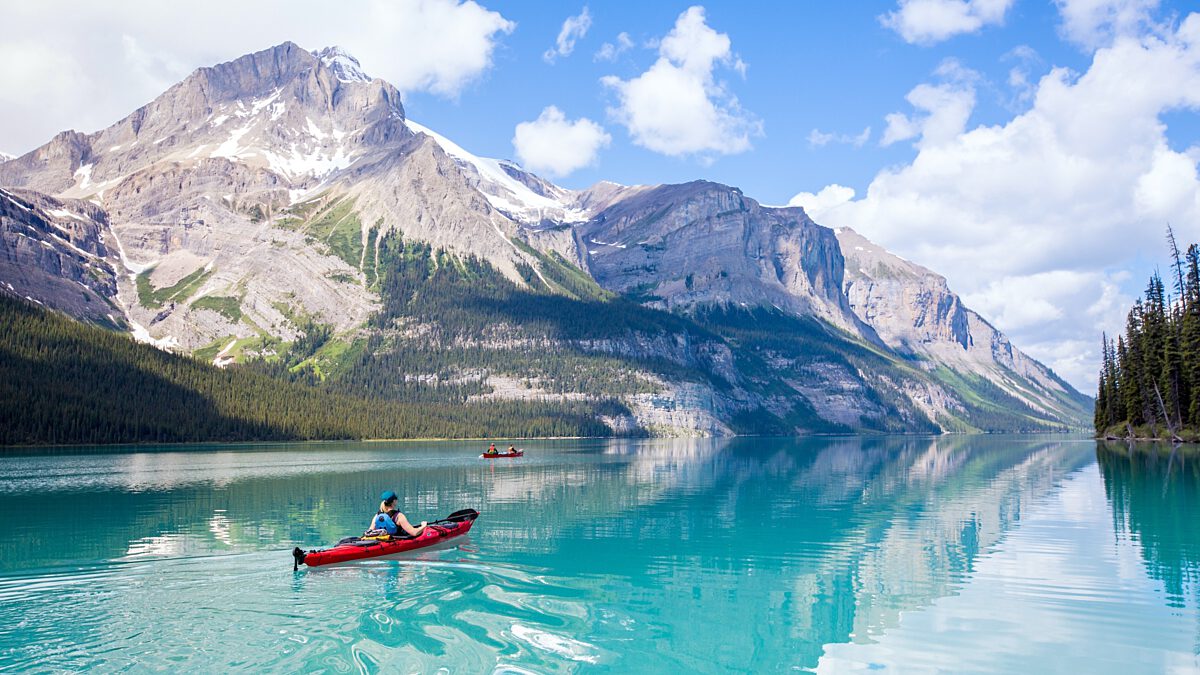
<point x="386" y="522"/>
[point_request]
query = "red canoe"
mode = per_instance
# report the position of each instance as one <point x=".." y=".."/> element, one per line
<point x="519" y="453"/>
<point x="356" y="548"/>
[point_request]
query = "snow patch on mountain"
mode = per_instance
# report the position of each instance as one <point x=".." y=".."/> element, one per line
<point x="84" y="174"/>
<point x="344" y="66"/>
<point x="4" y="156"/>
<point x="505" y="193"/>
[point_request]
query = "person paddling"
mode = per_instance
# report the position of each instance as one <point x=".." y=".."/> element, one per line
<point x="390" y="520"/>
<point x="512" y="449"/>
<point x="492" y="450"/>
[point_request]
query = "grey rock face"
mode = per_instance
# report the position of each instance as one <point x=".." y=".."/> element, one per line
<point x="53" y="251"/>
<point x="703" y="243"/>
<point x="909" y="306"/>
<point x="915" y="313"/>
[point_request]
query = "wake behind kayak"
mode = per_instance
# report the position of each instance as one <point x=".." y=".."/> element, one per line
<point x="358" y="548"/>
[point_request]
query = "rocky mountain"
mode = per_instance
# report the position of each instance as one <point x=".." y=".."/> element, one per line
<point x="702" y="243"/>
<point x="282" y="206"/>
<point x="916" y="314"/>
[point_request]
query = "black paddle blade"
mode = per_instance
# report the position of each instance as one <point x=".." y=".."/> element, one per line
<point x="465" y="514"/>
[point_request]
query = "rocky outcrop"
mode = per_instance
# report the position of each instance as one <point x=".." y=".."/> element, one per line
<point x="916" y="314"/>
<point x="911" y="308"/>
<point x="53" y="252"/>
<point x="702" y="243"/>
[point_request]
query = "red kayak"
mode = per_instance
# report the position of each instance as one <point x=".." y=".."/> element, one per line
<point x="519" y="453"/>
<point x="357" y="548"/>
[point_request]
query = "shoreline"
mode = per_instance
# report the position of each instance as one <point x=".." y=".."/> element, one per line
<point x="177" y="444"/>
<point x="1146" y="439"/>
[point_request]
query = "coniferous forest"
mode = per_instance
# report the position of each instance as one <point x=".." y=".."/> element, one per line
<point x="1149" y="385"/>
<point x="64" y="382"/>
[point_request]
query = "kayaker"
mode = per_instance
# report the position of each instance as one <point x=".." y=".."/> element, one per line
<point x="492" y="450"/>
<point x="512" y="449"/>
<point x="390" y="520"/>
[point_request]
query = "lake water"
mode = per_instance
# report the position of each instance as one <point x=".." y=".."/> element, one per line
<point x="957" y="554"/>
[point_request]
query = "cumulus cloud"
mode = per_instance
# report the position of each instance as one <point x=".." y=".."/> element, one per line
<point x="819" y="139"/>
<point x="927" y="22"/>
<point x="942" y="113"/>
<point x="573" y="30"/>
<point x="554" y="145"/>
<point x="1035" y="221"/>
<point x="678" y="107"/>
<point x="941" y="110"/>
<point x="609" y="51"/>
<point x="84" y="66"/>
<point x="1020" y="75"/>
<point x="1093" y="23"/>
<point x="816" y="205"/>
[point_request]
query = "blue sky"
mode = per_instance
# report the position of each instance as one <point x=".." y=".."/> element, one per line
<point x="810" y="66"/>
<point x="1032" y="151"/>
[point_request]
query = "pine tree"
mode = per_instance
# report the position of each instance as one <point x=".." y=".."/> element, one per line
<point x="1103" y="405"/>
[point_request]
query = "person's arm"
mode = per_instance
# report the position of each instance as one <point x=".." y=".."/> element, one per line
<point x="408" y="527"/>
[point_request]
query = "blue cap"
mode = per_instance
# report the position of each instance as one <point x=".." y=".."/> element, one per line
<point x="387" y="496"/>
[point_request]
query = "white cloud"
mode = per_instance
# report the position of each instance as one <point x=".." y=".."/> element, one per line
<point x="1037" y="220"/>
<point x="573" y="30"/>
<point x="1020" y="76"/>
<point x="1094" y="23"/>
<point x="1029" y="305"/>
<point x="86" y="65"/>
<point x="942" y="109"/>
<point x="609" y="51"/>
<point x="556" y="146"/>
<point x="927" y="22"/>
<point x="816" y="205"/>
<point x="818" y="138"/>
<point x="677" y="107"/>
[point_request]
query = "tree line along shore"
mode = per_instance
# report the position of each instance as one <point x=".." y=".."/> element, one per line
<point x="1149" y="384"/>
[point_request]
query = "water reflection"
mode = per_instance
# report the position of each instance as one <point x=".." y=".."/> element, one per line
<point x="1154" y="490"/>
<point x="661" y="555"/>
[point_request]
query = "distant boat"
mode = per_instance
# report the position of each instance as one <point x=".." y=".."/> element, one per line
<point x="518" y="453"/>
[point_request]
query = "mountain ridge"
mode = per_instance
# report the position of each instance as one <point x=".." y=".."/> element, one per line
<point x="260" y="199"/>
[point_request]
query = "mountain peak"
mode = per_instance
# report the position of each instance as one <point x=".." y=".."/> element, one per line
<point x="344" y="66"/>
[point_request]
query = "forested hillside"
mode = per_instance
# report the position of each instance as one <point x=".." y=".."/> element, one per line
<point x="1150" y="379"/>
<point x="62" y="381"/>
<point x="562" y="336"/>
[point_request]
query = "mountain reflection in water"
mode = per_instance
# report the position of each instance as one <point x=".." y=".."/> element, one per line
<point x="954" y="554"/>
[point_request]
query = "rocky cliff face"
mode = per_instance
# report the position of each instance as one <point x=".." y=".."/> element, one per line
<point x="53" y="251"/>
<point x="254" y="199"/>
<point x="701" y="243"/>
<point x="915" y="313"/>
<point x="910" y="307"/>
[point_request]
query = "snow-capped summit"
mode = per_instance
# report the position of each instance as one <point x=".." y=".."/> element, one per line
<point x="4" y="156"/>
<point x="344" y="66"/>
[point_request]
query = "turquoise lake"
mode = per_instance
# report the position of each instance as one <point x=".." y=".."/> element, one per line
<point x="962" y="554"/>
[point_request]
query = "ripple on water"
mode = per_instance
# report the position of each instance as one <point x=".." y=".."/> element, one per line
<point x="952" y="554"/>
